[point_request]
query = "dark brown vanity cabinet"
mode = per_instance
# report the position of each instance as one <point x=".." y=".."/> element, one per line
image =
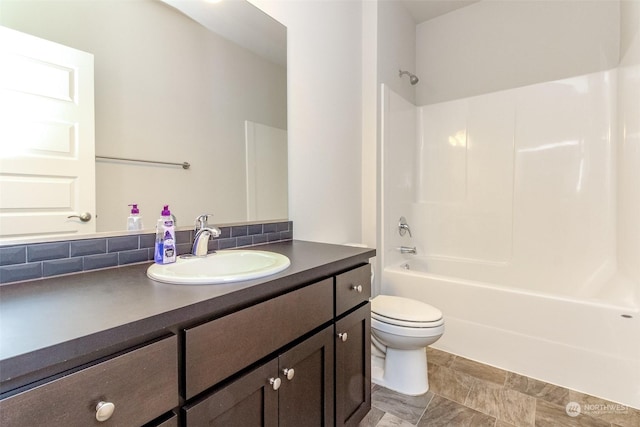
<point x="294" y="389"/>
<point x="299" y="359"/>
<point x="353" y="346"/>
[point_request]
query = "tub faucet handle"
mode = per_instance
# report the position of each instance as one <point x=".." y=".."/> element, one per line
<point x="403" y="227"/>
<point x="408" y="250"/>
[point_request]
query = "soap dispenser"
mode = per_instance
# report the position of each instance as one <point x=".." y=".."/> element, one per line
<point x="165" y="250"/>
<point x="134" y="221"/>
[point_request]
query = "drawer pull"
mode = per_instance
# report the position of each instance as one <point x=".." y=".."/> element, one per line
<point x="104" y="410"/>
<point x="289" y="373"/>
<point x="343" y="336"/>
<point x="275" y="383"/>
<point x="357" y="288"/>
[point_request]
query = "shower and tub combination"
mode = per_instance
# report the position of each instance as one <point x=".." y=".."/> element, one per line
<point x="523" y="204"/>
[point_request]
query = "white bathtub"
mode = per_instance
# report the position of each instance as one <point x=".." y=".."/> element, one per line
<point x="588" y="345"/>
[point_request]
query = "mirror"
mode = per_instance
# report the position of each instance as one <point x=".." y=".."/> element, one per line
<point x="169" y="89"/>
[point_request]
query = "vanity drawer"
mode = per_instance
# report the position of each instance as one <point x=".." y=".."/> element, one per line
<point x="222" y="347"/>
<point x="352" y="288"/>
<point x="142" y="384"/>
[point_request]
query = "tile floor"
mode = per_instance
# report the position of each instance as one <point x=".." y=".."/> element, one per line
<point x="467" y="393"/>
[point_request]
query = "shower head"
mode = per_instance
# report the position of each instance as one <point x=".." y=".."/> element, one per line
<point x="413" y="79"/>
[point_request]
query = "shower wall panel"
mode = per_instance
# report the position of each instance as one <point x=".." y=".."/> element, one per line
<point x="518" y="186"/>
<point x="398" y="170"/>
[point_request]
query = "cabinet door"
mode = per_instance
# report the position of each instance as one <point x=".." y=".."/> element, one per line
<point x="250" y="401"/>
<point x="353" y="366"/>
<point x="306" y="395"/>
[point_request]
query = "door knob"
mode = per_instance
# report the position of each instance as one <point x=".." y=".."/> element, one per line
<point x="343" y="336"/>
<point x="84" y="216"/>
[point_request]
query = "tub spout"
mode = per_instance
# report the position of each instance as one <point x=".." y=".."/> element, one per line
<point x="408" y="250"/>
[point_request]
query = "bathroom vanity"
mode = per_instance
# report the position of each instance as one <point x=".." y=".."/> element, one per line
<point x="115" y="348"/>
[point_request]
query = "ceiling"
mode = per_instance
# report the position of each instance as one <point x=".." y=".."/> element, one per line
<point x="242" y="23"/>
<point x="423" y="10"/>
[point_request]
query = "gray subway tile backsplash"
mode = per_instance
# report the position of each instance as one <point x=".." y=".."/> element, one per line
<point x="227" y="243"/>
<point x="19" y="272"/>
<point x="61" y="266"/>
<point x="282" y="226"/>
<point x="45" y="251"/>
<point x="244" y="241"/>
<point x="254" y="229"/>
<point x="13" y="255"/>
<point x="88" y="247"/>
<point x="27" y="262"/>
<point x="131" y="257"/>
<point x="270" y="228"/>
<point x="147" y="240"/>
<point x="259" y="239"/>
<point x="238" y="231"/>
<point x="93" y="262"/>
<point x="182" y="237"/>
<point x="125" y="243"/>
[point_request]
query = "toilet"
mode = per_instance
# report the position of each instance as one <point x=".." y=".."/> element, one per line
<point x="401" y="329"/>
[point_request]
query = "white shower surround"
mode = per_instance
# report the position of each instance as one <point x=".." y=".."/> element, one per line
<point x="513" y="199"/>
<point x="519" y="177"/>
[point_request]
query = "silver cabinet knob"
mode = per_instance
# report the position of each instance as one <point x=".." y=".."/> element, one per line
<point x="343" y="336"/>
<point x="275" y="383"/>
<point x="357" y="288"/>
<point x="84" y="216"/>
<point x="289" y="373"/>
<point x="104" y="410"/>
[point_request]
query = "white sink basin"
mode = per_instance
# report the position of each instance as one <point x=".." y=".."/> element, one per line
<point x="220" y="267"/>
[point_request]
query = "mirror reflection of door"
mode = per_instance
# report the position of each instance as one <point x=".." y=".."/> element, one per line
<point x="47" y="158"/>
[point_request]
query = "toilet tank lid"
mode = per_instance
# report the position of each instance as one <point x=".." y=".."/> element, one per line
<point x="404" y="309"/>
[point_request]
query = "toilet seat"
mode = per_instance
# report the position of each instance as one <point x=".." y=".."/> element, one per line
<point x="406" y="323"/>
<point x="405" y="312"/>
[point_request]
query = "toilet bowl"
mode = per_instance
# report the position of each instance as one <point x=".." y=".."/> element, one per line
<point x="401" y="329"/>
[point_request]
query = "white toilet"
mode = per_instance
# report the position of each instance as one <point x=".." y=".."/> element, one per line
<point x="401" y="329"/>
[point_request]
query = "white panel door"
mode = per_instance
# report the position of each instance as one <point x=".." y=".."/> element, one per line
<point x="266" y="155"/>
<point x="47" y="155"/>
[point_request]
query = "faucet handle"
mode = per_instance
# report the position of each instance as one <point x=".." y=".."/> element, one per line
<point x="403" y="227"/>
<point x="202" y="221"/>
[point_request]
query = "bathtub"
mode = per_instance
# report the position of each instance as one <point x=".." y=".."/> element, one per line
<point x="591" y="345"/>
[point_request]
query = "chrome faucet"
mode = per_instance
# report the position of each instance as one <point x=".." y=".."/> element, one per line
<point x="403" y="227"/>
<point x="202" y="233"/>
<point x="408" y="250"/>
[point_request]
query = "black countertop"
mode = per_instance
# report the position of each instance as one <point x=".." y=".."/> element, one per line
<point x="51" y="325"/>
